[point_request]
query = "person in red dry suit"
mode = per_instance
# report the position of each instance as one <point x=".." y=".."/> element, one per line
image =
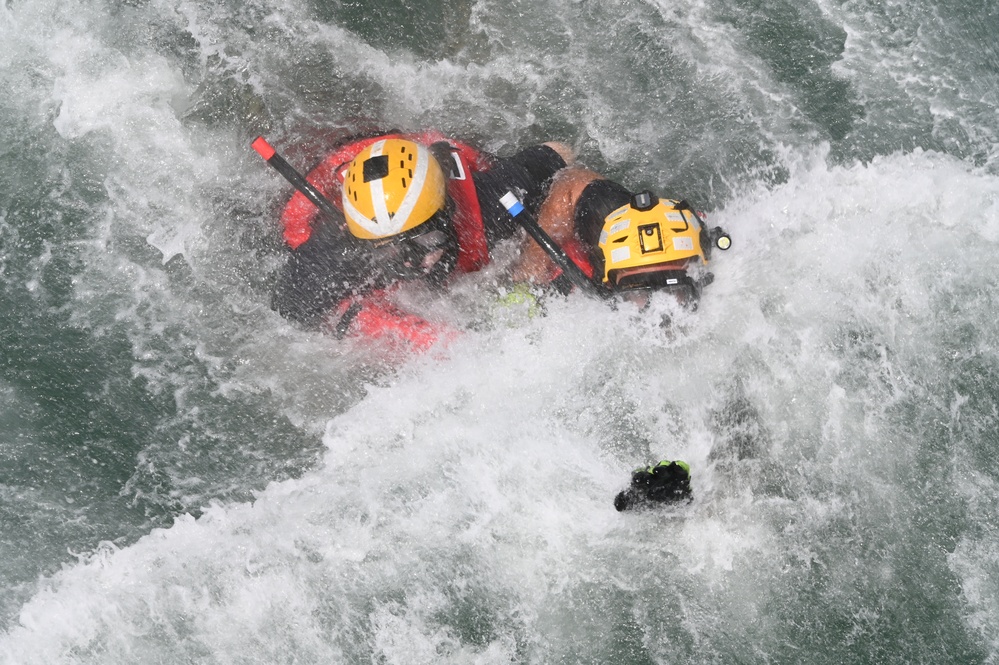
<point x="416" y="206"/>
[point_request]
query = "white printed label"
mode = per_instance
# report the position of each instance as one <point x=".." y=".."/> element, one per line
<point x="620" y="254"/>
<point x="459" y="170"/>
<point x="620" y="226"/>
<point x="683" y="243"/>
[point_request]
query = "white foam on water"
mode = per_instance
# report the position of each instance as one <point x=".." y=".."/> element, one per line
<point x="463" y="508"/>
<point x="975" y="560"/>
<point x="463" y="512"/>
<point x="896" y="66"/>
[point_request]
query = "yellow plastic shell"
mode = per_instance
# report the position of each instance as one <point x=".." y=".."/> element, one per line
<point x="645" y="238"/>
<point x="391" y="187"/>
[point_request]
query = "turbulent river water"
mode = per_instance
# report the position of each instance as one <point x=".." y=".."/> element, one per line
<point x="185" y="477"/>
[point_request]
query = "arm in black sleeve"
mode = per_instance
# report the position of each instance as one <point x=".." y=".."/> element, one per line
<point x="541" y="164"/>
<point x="598" y="200"/>
<point x="529" y="174"/>
<point x="330" y="266"/>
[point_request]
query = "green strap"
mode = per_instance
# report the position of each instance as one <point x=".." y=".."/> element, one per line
<point x="666" y="462"/>
<point x="649" y="469"/>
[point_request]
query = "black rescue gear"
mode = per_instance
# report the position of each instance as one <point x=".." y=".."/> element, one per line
<point x="666" y="482"/>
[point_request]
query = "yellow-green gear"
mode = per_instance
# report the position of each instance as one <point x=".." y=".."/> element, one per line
<point x="520" y="295"/>
<point x="665" y="462"/>
<point x="679" y="463"/>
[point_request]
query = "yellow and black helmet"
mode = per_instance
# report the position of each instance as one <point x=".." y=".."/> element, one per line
<point x="653" y="243"/>
<point x="391" y="187"/>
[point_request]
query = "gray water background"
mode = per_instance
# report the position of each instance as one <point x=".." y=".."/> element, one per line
<point x="837" y="394"/>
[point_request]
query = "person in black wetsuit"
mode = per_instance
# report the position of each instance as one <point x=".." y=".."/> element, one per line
<point x="628" y="242"/>
<point x="663" y="483"/>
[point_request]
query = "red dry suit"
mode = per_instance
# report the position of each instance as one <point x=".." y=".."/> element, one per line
<point x="329" y="278"/>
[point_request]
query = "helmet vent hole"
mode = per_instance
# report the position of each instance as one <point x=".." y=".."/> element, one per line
<point x="376" y="168"/>
<point x="404" y="183"/>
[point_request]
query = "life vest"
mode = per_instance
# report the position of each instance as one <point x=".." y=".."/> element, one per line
<point x="298" y="216"/>
<point x="374" y="316"/>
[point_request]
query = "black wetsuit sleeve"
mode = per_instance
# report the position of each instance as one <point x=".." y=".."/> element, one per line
<point x="529" y="174"/>
<point x="330" y="266"/>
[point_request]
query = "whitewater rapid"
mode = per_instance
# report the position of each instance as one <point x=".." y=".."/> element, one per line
<point x="186" y="477"/>
<point x="463" y="509"/>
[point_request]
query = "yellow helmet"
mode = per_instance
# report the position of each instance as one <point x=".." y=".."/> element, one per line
<point x="653" y="243"/>
<point x="391" y="187"/>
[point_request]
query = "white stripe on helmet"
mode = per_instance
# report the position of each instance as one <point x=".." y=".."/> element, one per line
<point x="415" y="188"/>
<point x="384" y="225"/>
<point x="383" y="222"/>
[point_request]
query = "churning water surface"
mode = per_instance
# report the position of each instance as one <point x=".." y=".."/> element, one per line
<point x="187" y="478"/>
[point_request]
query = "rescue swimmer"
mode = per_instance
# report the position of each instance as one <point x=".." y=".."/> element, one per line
<point x="625" y="242"/>
<point x="410" y="206"/>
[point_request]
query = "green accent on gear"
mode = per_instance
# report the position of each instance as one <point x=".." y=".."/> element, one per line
<point x="519" y="295"/>
<point x="666" y="462"/>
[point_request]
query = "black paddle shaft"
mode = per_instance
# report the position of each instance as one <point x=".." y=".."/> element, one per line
<point x="297" y="180"/>
<point x="509" y="201"/>
<point x="557" y="254"/>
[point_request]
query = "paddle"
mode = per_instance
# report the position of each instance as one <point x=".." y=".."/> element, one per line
<point x="509" y="201"/>
<point x="297" y="180"/>
<point x="557" y="254"/>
